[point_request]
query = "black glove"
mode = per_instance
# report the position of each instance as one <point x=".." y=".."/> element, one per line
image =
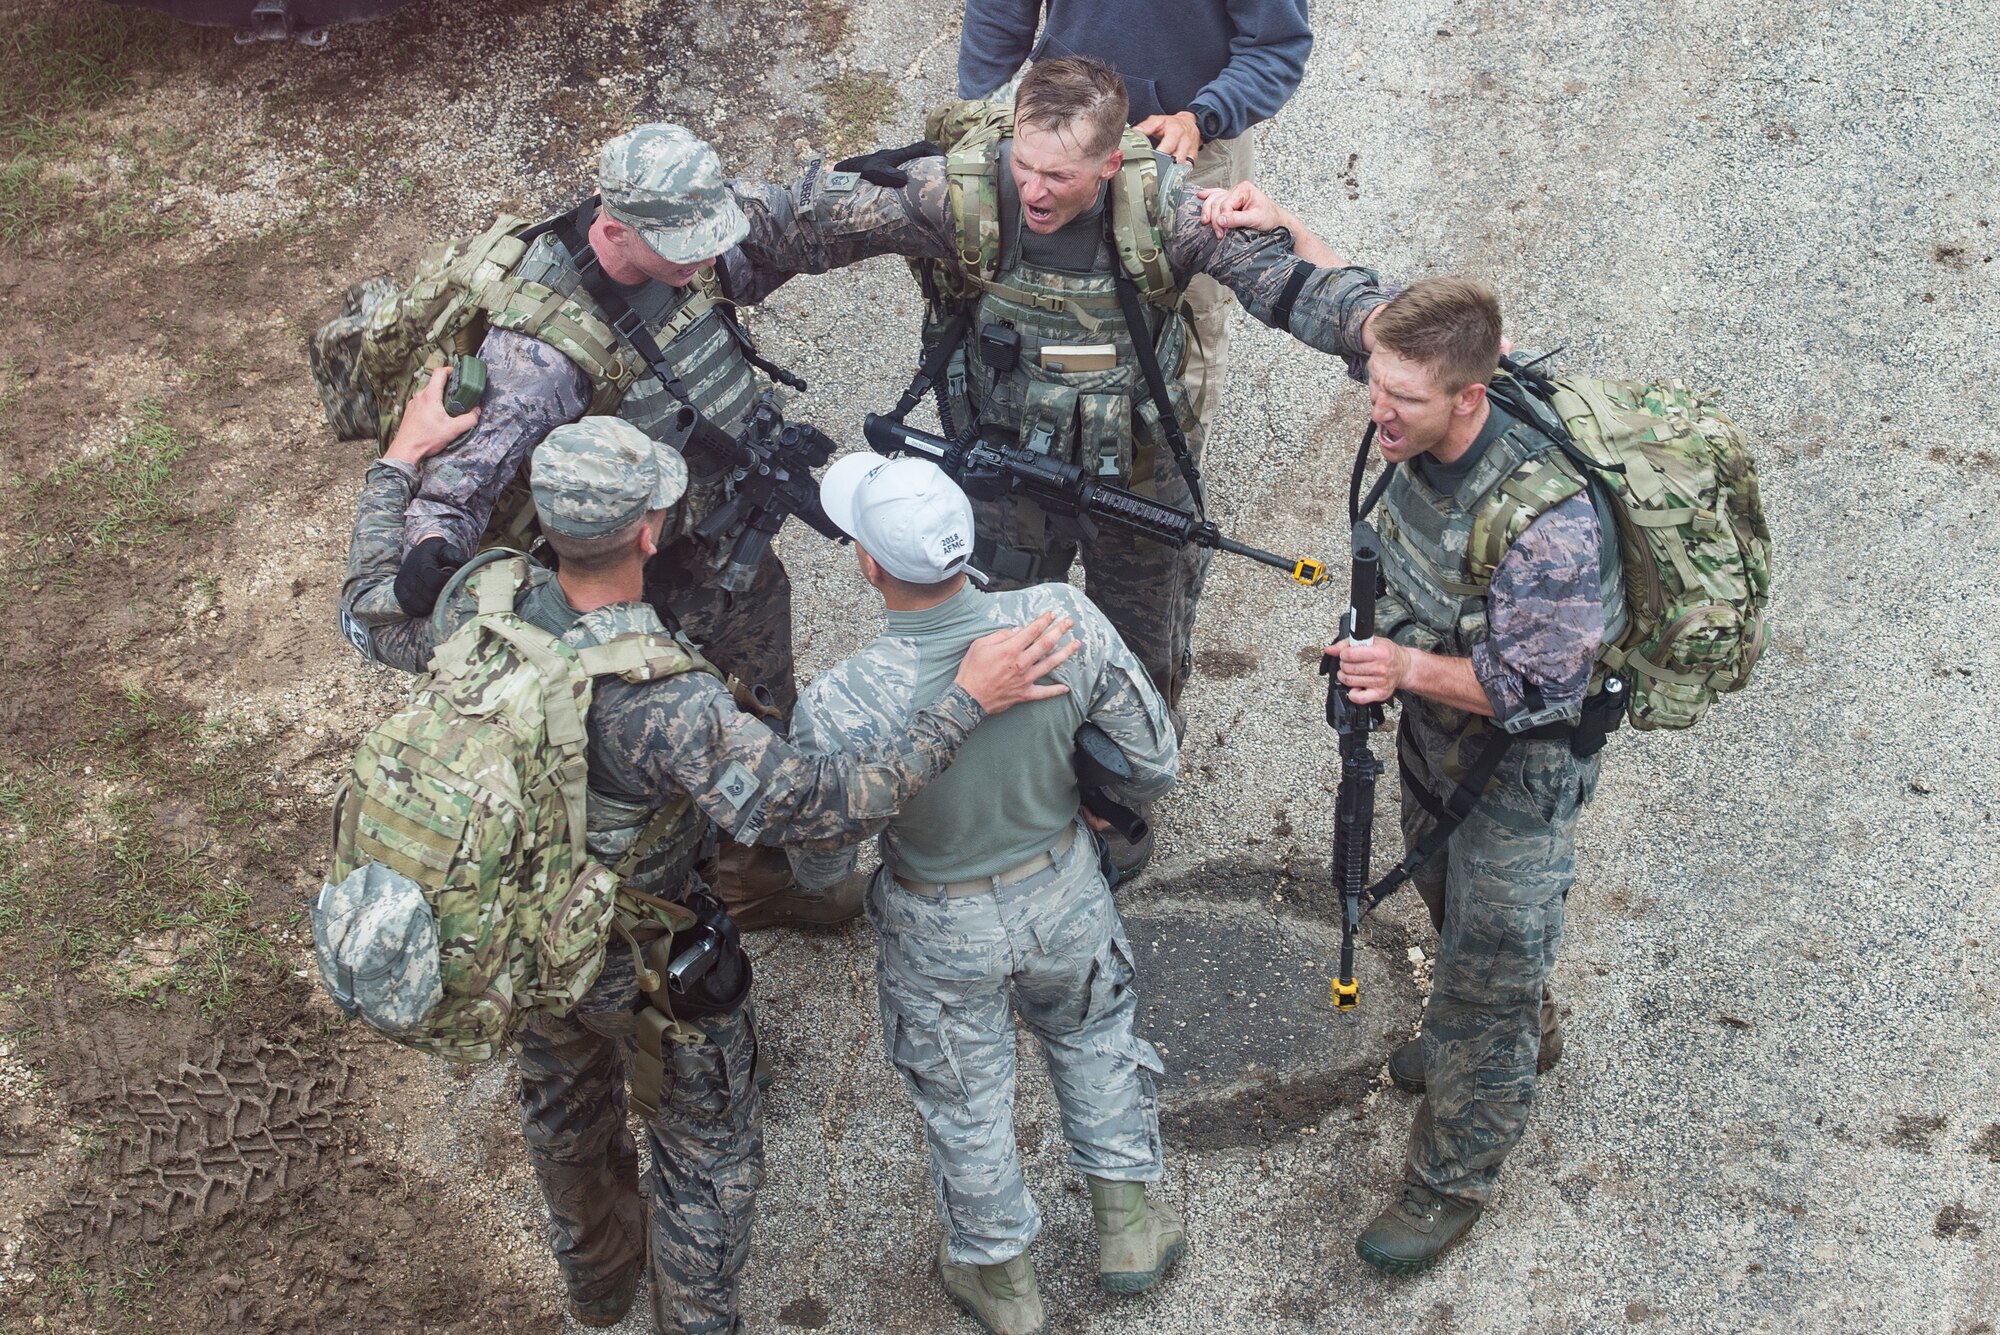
<point x="884" y="166"/>
<point x="426" y="570"/>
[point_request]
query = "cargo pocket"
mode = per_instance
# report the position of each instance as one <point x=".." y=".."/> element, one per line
<point x="1501" y="1095"/>
<point x="1498" y="954"/>
<point x="569" y="951"/>
<point x="921" y="1053"/>
<point x="715" y="1076"/>
<point x="1109" y="987"/>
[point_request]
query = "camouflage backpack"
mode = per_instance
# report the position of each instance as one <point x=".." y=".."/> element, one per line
<point x="461" y="896"/>
<point x="1692" y="541"/>
<point x="389" y="337"/>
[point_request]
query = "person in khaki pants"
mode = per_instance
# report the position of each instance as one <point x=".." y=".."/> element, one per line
<point x="1198" y="74"/>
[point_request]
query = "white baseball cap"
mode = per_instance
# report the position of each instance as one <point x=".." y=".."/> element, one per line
<point x="906" y="513"/>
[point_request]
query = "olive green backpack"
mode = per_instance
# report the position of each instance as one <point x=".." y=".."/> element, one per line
<point x="1692" y="540"/>
<point x="461" y="898"/>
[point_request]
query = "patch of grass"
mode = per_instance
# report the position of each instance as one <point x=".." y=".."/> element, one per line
<point x="111" y="503"/>
<point x="67" y="1283"/>
<point x="856" y="105"/>
<point x="63" y="63"/>
<point x="63" y="60"/>
<point x="125" y="862"/>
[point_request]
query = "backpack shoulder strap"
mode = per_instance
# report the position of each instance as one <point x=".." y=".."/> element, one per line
<point x="972" y="185"/>
<point x="497" y="583"/>
<point x="1536" y="486"/>
<point x="642" y="658"/>
<point x="1137" y="229"/>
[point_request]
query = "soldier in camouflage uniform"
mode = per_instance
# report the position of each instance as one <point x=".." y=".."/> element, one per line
<point x="990" y="889"/>
<point x="670" y="760"/>
<point x="1065" y="180"/>
<point x="665" y="232"/>
<point x="1477" y="653"/>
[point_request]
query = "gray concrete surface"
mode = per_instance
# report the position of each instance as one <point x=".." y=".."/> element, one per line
<point x="1780" y="954"/>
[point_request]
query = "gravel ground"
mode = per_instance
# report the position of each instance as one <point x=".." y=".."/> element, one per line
<point x="1775" y="1106"/>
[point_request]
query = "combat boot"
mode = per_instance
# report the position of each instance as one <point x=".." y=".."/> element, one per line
<point x="1406" y="1063"/>
<point x="1004" y="1299"/>
<point x="1137" y="1238"/>
<point x="756" y="886"/>
<point x="609" y="1310"/>
<point x="1409" y="1236"/>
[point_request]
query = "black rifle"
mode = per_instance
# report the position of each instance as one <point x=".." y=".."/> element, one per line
<point x="989" y="471"/>
<point x="771" y="465"/>
<point x="1101" y="762"/>
<point x="1354" y="806"/>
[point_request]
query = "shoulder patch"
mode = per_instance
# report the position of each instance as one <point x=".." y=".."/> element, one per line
<point x="356" y="634"/>
<point x="736" y="786"/>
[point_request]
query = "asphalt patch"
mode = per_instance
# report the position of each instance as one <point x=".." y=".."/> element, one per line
<point x="1235" y="972"/>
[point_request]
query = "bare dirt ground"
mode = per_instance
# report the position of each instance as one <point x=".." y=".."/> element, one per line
<point x="190" y="1145"/>
<point x="1778" y="1109"/>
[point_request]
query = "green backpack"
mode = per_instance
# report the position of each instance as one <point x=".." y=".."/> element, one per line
<point x="1692" y="541"/>
<point x="389" y="336"/>
<point x="461" y="898"/>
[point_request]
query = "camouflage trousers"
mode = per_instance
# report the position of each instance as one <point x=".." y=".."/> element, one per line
<point x="951" y="974"/>
<point x="1146" y="589"/>
<point x="707" y="1146"/>
<point x="748" y="634"/>
<point x="1496" y="894"/>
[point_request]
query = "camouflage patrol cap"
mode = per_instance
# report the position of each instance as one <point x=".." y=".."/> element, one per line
<point x="594" y="476"/>
<point x="664" y="183"/>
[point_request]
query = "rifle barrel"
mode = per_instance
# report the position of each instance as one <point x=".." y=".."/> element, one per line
<point x="1362" y="579"/>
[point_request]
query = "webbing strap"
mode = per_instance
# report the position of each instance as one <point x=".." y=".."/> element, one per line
<point x="1646" y="667"/>
<point x="636" y="658"/>
<point x="1449" y="812"/>
<point x="1156" y="384"/>
<point x="561" y="719"/>
<point x="496" y="585"/>
<point x="654" y="1031"/>
<point x="1051" y="302"/>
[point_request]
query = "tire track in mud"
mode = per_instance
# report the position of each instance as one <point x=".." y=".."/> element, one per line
<point x="228" y="1126"/>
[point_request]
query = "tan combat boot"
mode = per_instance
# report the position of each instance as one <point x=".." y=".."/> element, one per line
<point x="1004" y="1299"/>
<point x="1137" y="1238"/>
<point x="755" y="884"/>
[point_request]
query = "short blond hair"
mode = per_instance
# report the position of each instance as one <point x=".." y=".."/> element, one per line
<point x="1450" y="325"/>
<point x="1076" y="94"/>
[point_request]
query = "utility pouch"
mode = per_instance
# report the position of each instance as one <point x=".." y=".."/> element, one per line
<point x="1000" y="347"/>
<point x="1009" y="565"/>
<point x="1602" y="713"/>
<point x="1048" y="420"/>
<point x="1104" y="421"/>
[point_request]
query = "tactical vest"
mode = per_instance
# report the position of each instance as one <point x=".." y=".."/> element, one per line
<point x="1439" y="549"/>
<point x="1103" y="420"/>
<point x="542" y="297"/>
<point x="677" y="836"/>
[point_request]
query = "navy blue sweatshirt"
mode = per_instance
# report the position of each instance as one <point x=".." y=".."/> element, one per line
<point x="1230" y="62"/>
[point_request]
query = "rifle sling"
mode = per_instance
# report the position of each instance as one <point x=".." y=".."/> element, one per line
<point x="1452" y="810"/>
<point x="1156" y="384"/>
<point x="1359" y="506"/>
